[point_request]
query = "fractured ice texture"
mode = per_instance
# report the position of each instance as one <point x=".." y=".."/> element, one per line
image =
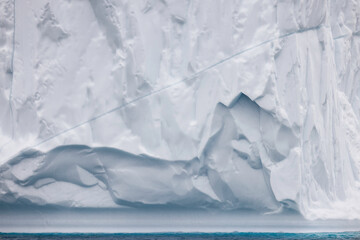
<point x="206" y="104"/>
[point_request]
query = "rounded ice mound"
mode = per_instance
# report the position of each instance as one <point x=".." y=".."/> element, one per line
<point x="228" y="174"/>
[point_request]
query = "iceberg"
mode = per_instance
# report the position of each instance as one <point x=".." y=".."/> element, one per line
<point x="244" y="106"/>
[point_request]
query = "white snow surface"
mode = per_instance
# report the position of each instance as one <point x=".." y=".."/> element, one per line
<point x="206" y="104"/>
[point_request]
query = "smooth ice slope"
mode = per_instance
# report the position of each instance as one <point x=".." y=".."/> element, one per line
<point x="206" y="104"/>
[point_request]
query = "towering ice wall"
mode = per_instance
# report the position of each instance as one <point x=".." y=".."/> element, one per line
<point x="208" y="104"/>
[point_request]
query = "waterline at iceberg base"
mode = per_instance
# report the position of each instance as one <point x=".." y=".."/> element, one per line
<point x="53" y="219"/>
<point x="179" y="115"/>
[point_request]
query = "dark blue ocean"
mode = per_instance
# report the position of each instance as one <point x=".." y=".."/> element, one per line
<point x="175" y="236"/>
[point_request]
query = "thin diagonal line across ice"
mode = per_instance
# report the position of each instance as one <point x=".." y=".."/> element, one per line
<point x="195" y="75"/>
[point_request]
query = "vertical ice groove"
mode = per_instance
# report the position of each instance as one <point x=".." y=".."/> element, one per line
<point x="9" y="71"/>
<point x="12" y="74"/>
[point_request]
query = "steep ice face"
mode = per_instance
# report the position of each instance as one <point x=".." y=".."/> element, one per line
<point x="248" y="104"/>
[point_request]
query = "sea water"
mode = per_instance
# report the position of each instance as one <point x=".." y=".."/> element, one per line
<point x="175" y="236"/>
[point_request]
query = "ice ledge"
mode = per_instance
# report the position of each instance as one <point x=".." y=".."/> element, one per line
<point x="241" y="147"/>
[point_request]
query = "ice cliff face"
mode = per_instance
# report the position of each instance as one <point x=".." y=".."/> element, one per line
<point x="209" y="104"/>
